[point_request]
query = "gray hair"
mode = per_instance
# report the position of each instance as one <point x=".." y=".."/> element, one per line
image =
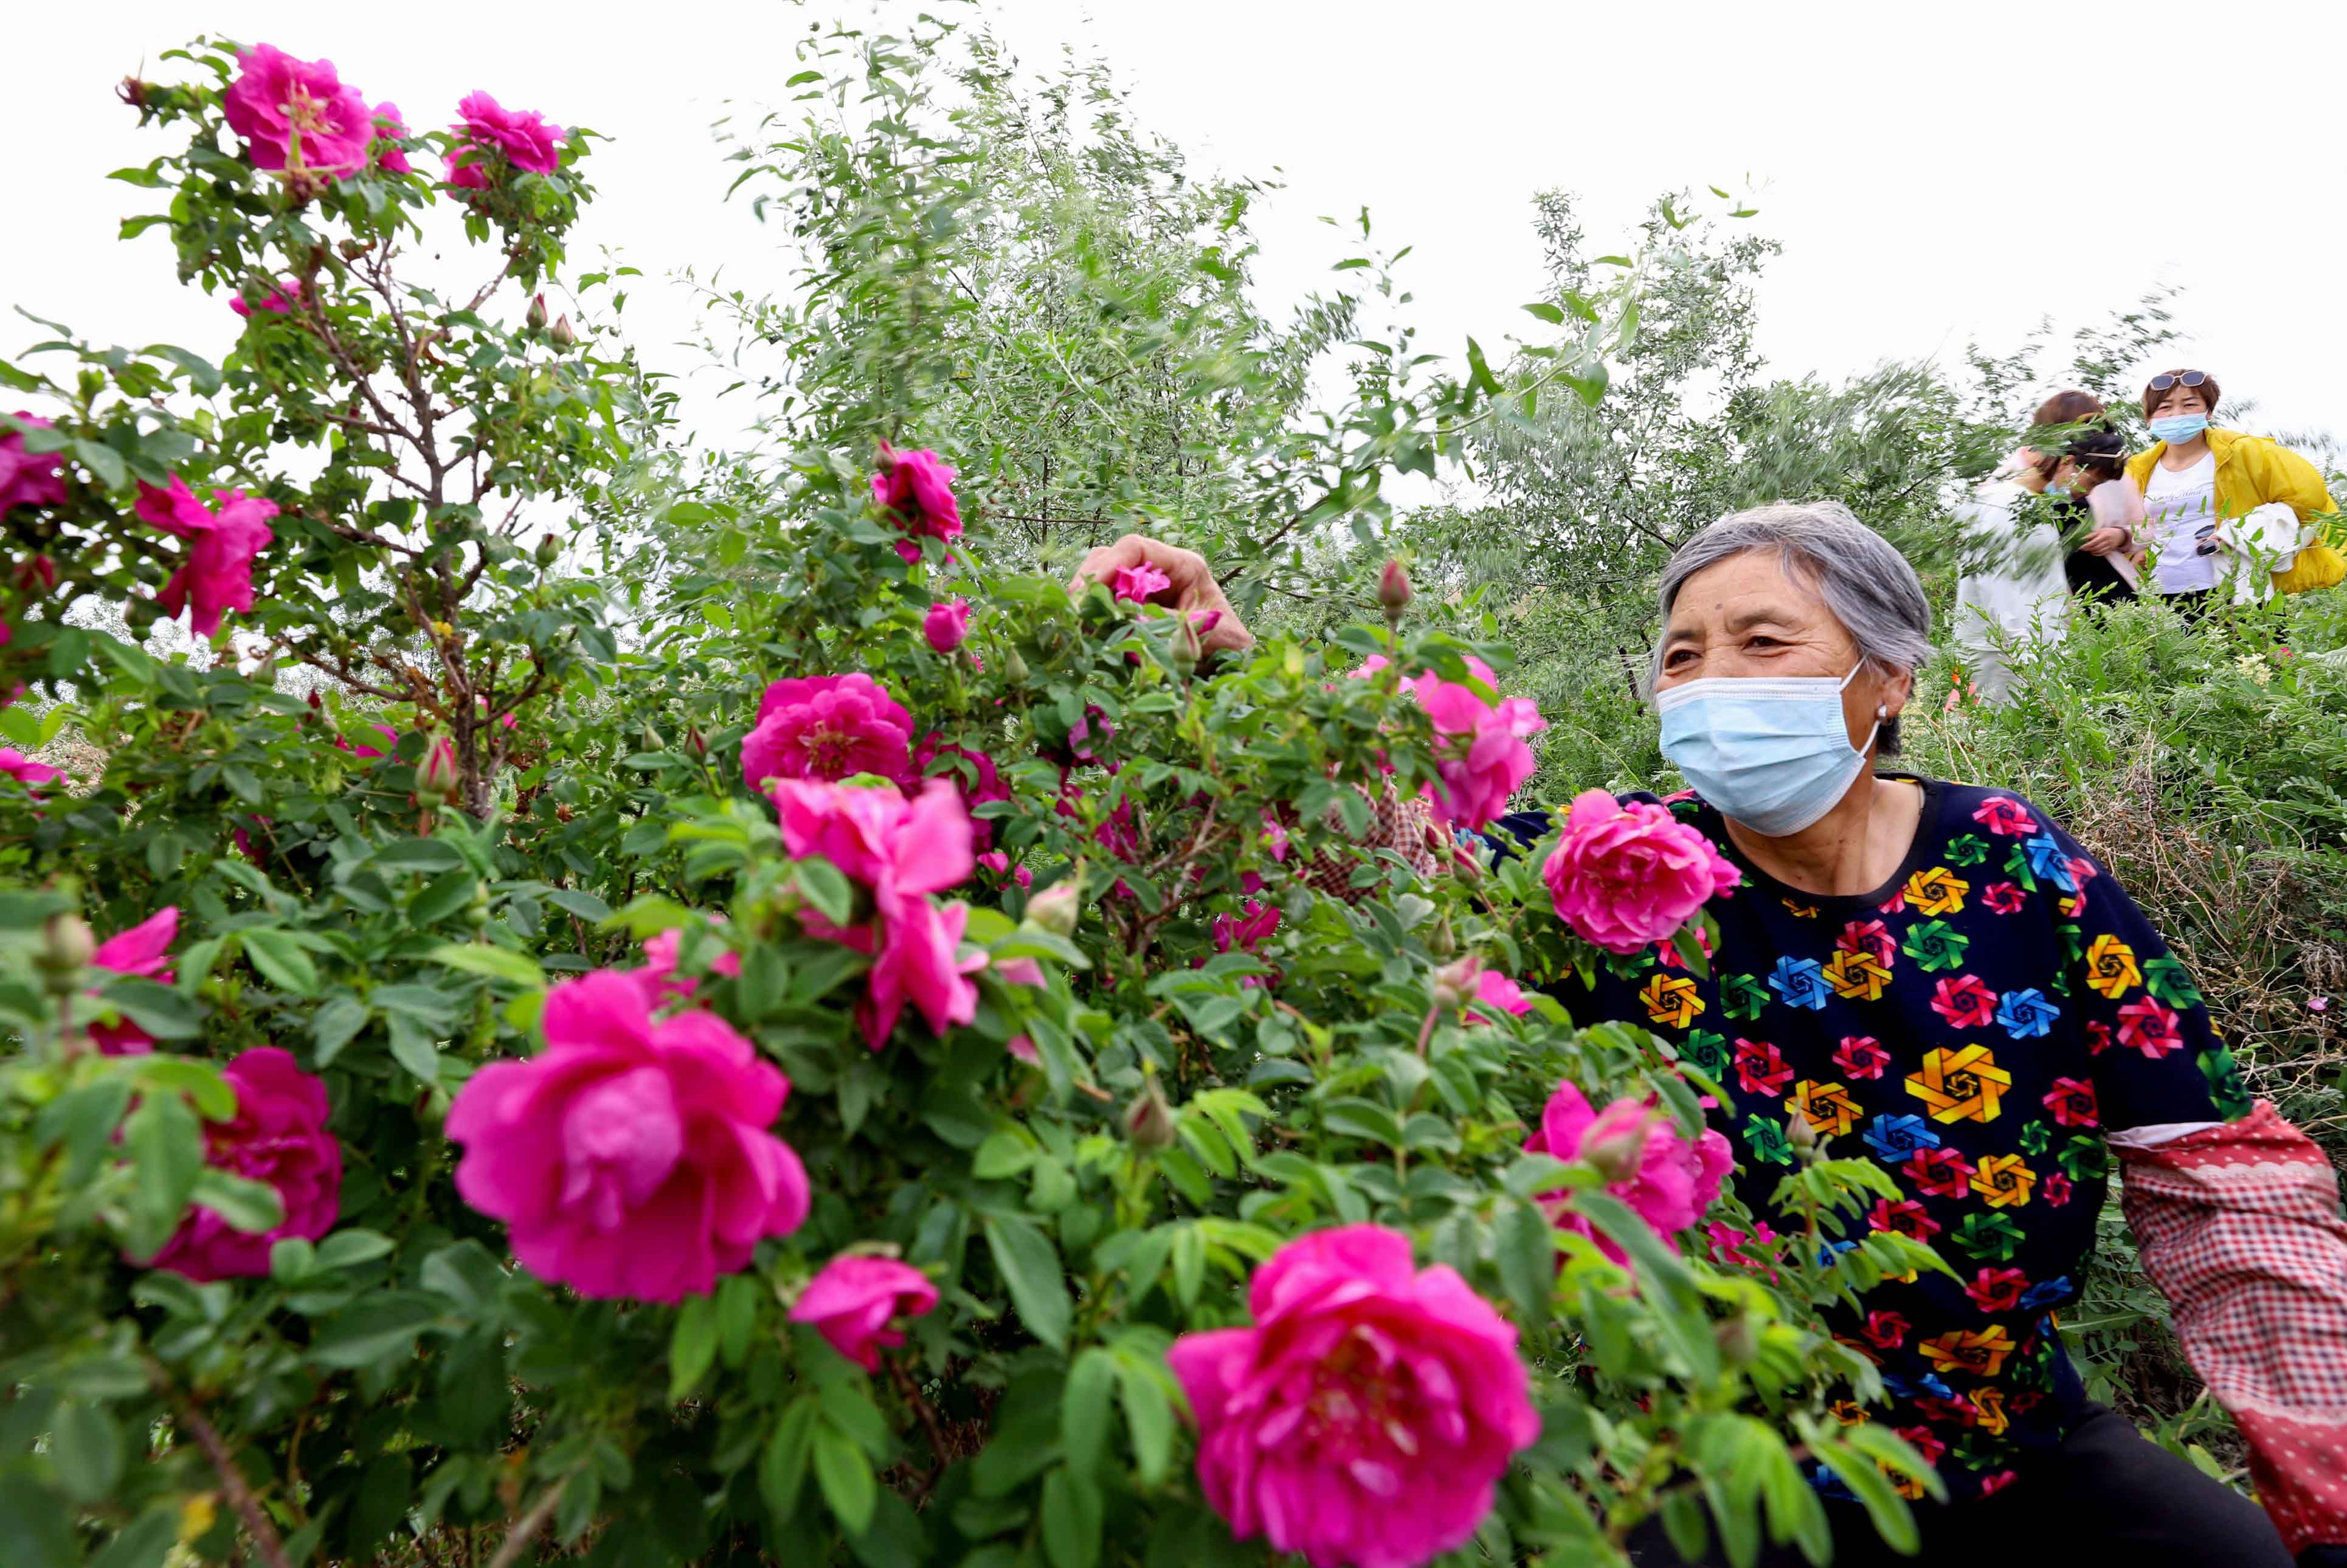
<point x="1862" y="578"/>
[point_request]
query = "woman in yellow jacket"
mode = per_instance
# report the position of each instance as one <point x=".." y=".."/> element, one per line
<point x="2223" y="508"/>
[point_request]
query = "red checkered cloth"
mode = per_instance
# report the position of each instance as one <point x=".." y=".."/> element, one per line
<point x="1403" y="823"/>
<point x="2238" y="1225"/>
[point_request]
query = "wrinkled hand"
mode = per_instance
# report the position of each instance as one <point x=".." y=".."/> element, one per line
<point x="2103" y="541"/>
<point x="1193" y="589"/>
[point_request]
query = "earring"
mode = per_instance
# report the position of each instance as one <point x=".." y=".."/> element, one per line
<point x="1882" y="711"/>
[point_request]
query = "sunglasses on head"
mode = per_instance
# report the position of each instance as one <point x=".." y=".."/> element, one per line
<point x="2181" y="378"/>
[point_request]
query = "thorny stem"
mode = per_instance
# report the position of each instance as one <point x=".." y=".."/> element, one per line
<point x="525" y="1529"/>
<point x="911" y="1393"/>
<point x="240" y="1496"/>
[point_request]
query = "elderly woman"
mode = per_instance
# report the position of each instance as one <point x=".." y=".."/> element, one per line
<point x="1939" y="979"/>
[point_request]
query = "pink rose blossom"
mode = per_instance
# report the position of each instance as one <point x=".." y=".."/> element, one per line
<point x="631" y="1158"/>
<point x="389" y="131"/>
<point x="851" y="1302"/>
<point x="946" y="624"/>
<point x="1021" y="1047"/>
<point x="979" y="783"/>
<point x="1730" y="1245"/>
<point x="29" y="479"/>
<point x="143" y="951"/>
<point x="16" y="764"/>
<point x="1245" y="931"/>
<point x="1671" y="1182"/>
<point x="1625" y="876"/>
<point x="827" y="727"/>
<point x="916" y="489"/>
<point x="359" y="748"/>
<point x="1137" y="583"/>
<point x="1365" y="1418"/>
<point x="1482" y="756"/>
<point x="297" y="115"/>
<point x="659" y="978"/>
<point x="278" y="1137"/>
<point x="902" y="851"/>
<point x="1496" y="993"/>
<point x="223" y="543"/>
<point x="278" y="301"/>
<point x="524" y="136"/>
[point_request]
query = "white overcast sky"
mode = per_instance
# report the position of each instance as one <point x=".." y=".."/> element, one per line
<point x="1935" y="171"/>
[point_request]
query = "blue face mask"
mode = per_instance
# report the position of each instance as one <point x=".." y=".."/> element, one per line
<point x="2178" y="428"/>
<point x="1772" y="753"/>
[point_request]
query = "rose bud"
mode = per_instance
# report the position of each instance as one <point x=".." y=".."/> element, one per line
<point x="1454" y="983"/>
<point x="66" y="947"/>
<point x="1393" y="589"/>
<point x="1615" y="1154"/>
<point x="438" y="780"/>
<point x="1055" y="909"/>
<point x="1149" y="1121"/>
<point x="563" y="335"/>
<point x="537" y="319"/>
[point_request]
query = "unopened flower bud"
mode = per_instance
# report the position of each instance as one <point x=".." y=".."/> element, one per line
<point x="1738" y="1344"/>
<point x="537" y="319"/>
<point x="1393" y="589"/>
<point x="696" y="744"/>
<point x="1055" y="909"/>
<point x="438" y="780"/>
<point x="1149" y="1121"/>
<point x="1454" y="983"/>
<point x="1440" y="941"/>
<point x="132" y="91"/>
<point x="1800" y="1134"/>
<point x="66" y="947"/>
<point x="1615" y="1154"/>
<point x="563" y="336"/>
<point x="550" y="550"/>
<point x="1187" y="649"/>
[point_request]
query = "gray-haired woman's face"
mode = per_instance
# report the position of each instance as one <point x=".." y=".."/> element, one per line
<point x="1745" y="617"/>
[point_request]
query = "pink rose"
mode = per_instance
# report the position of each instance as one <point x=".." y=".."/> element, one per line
<point x="1245" y="931"/>
<point x="902" y="851"/>
<point x="223" y="545"/>
<point x="278" y="301"/>
<point x="659" y="977"/>
<point x="1366" y="1417"/>
<point x="144" y="950"/>
<point x="1137" y="583"/>
<point x="1666" y="1181"/>
<point x="1495" y="993"/>
<point x="851" y="1300"/>
<point x="827" y="727"/>
<point x="1483" y="758"/>
<point x="16" y="764"/>
<point x="27" y="479"/>
<point x="297" y="115"/>
<point x="390" y="130"/>
<point x="524" y="137"/>
<point x="359" y="748"/>
<point x="1625" y="876"/>
<point x="946" y="624"/>
<point x="916" y="489"/>
<point x="631" y="1158"/>
<point x="278" y="1136"/>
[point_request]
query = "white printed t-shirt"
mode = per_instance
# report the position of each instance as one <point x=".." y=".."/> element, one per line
<point x="2177" y="504"/>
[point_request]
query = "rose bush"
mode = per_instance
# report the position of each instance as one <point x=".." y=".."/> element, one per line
<point x="808" y="1042"/>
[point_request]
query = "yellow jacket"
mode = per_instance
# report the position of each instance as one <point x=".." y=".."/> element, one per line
<point x="2252" y="470"/>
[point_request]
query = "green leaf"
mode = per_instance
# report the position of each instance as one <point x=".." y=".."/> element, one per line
<point x="498" y="963"/>
<point x="1004" y="1153"/>
<point x="85" y="1446"/>
<point x="827" y="889"/>
<point x="375" y="1329"/>
<point x="418" y="855"/>
<point x="692" y="1346"/>
<point x="105" y="464"/>
<point x="583" y="904"/>
<point x="334" y="1025"/>
<point x="783" y="1467"/>
<point x="157" y="1008"/>
<point x="35" y="1530"/>
<point x="468" y="1275"/>
<point x="1030" y="1270"/>
<point x="349" y="1248"/>
<point x="845" y="1476"/>
<point x="1071" y="1519"/>
<point x="280" y="962"/>
<point x="253" y="1207"/>
<point x="1084" y="1409"/>
<point x="166" y="1144"/>
<point x="203" y="376"/>
<point x="144" y="1542"/>
<point x="442" y="896"/>
<point x="1524" y="1246"/>
<point x="1149" y="1414"/>
<point x="84" y="1119"/>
